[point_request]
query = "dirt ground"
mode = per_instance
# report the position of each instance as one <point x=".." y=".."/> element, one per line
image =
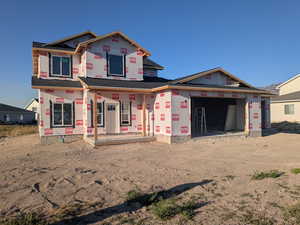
<point x="94" y="183"/>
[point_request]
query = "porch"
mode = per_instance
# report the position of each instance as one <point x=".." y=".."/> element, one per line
<point x="118" y="139"/>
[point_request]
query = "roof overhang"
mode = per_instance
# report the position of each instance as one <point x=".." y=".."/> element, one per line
<point x="218" y="69"/>
<point x="72" y="37"/>
<point x="289" y="80"/>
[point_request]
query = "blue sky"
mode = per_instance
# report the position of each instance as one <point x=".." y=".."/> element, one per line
<point x="256" y="40"/>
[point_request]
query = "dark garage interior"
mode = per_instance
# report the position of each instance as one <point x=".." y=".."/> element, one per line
<point x="212" y="116"/>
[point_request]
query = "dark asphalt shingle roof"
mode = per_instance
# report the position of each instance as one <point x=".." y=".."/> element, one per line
<point x="287" y="97"/>
<point x="150" y="64"/>
<point x="55" y="47"/>
<point x="9" y="108"/>
<point x="218" y="86"/>
<point x="35" y="81"/>
<point x="120" y="83"/>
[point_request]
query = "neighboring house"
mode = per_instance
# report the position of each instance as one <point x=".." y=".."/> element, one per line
<point x="89" y="84"/>
<point x="14" y="115"/>
<point x="286" y="106"/>
<point x="33" y="106"/>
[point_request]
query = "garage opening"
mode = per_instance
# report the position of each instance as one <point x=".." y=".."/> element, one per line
<point x="216" y="116"/>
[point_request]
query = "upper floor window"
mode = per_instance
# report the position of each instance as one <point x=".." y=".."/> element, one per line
<point x="289" y="109"/>
<point x="60" y="66"/>
<point x="116" y="65"/>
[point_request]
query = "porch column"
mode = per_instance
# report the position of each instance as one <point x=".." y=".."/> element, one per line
<point x="144" y="115"/>
<point x="246" y="128"/>
<point x="95" y="118"/>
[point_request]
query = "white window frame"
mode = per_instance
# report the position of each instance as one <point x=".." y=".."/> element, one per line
<point x="123" y="65"/>
<point x="128" y="114"/>
<point x="100" y="114"/>
<point x="62" y="112"/>
<point x="289" y="111"/>
<point x="61" y="75"/>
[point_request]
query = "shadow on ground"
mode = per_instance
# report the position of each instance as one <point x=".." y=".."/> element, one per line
<point x="131" y="206"/>
<point x="282" y="127"/>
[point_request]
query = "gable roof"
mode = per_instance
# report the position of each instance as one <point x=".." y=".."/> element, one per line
<point x="294" y="96"/>
<point x="206" y="72"/>
<point x="56" y="45"/>
<point x="289" y="80"/>
<point x="85" y="43"/>
<point x="9" y="108"/>
<point x="149" y="64"/>
<point x="29" y="103"/>
<point x="73" y="37"/>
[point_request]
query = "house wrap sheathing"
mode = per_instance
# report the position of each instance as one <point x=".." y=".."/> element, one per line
<point x="158" y="107"/>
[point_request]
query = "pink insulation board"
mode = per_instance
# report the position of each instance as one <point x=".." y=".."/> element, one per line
<point x="96" y="62"/>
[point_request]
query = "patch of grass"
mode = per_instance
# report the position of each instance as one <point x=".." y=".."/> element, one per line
<point x="133" y="195"/>
<point x="293" y="212"/>
<point x="256" y="218"/>
<point x="17" y="130"/>
<point x="295" y="170"/>
<point x="25" y="219"/>
<point x="268" y="174"/>
<point x="168" y="208"/>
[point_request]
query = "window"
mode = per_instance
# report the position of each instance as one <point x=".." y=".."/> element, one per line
<point x="61" y="66"/>
<point x="289" y="109"/>
<point x="125" y="113"/>
<point x="6" y="118"/>
<point x="21" y="117"/>
<point x="100" y="114"/>
<point x="62" y="114"/>
<point x="115" y="65"/>
<point x="34" y="109"/>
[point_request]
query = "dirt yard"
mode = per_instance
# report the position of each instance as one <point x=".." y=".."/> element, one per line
<point x="76" y="184"/>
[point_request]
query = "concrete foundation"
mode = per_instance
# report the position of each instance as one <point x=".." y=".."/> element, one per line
<point x="47" y="140"/>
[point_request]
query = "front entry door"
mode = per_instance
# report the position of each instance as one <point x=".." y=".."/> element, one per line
<point x="111" y="115"/>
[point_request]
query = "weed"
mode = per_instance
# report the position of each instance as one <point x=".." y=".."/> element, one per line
<point x="295" y="170"/>
<point x="293" y="212"/>
<point x="268" y="174"/>
<point x="165" y="209"/>
<point x="247" y="195"/>
<point x="168" y="208"/>
<point x="256" y="218"/>
<point x="25" y="219"/>
<point x="17" y="130"/>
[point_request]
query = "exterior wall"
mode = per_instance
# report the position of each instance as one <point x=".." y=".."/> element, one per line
<point x="253" y="117"/>
<point x="277" y="112"/>
<point x="43" y="66"/>
<point x="267" y="111"/>
<point x="113" y="97"/>
<point x="216" y="78"/>
<point x="15" y="117"/>
<point x="96" y="65"/>
<point x="67" y="96"/>
<point x="162" y="114"/>
<point x="292" y="86"/>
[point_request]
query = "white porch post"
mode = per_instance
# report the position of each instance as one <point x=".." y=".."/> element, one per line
<point x="95" y="117"/>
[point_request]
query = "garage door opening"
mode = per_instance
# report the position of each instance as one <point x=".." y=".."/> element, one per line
<point x="217" y="116"/>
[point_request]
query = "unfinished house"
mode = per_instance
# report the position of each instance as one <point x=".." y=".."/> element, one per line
<point x="107" y="90"/>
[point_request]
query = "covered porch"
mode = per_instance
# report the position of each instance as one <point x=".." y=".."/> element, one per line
<point x="107" y="122"/>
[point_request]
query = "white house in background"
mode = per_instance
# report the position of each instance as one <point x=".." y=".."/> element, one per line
<point x="286" y="106"/>
<point x="33" y="106"/>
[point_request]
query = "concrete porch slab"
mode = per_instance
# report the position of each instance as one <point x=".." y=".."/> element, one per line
<point x="118" y="139"/>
